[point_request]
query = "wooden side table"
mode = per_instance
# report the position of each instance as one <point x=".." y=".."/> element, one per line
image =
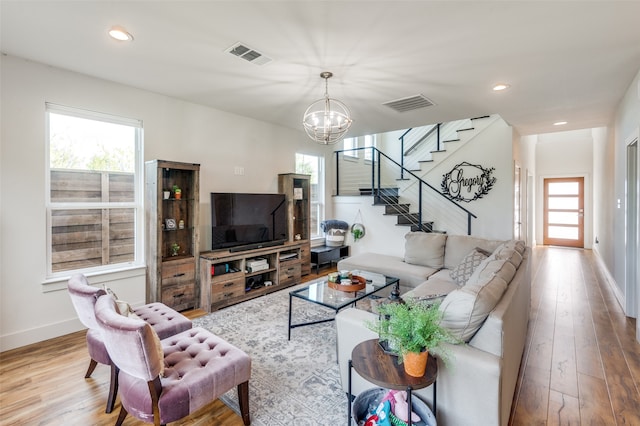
<point x="382" y="369"/>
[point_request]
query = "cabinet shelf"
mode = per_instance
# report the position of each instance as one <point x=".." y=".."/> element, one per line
<point x="172" y="279"/>
<point x="297" y="188"/>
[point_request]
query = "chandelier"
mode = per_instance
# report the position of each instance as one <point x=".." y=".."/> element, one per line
<point x="327" y="120"/>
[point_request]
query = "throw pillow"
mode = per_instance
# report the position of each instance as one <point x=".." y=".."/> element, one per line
<point x="461" y="273"/>
<point x="465" y="310"/>
<point x="157" y="349"/>
<point x="425" y="249"/>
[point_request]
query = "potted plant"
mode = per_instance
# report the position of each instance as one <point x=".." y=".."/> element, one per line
<point x="177" y="192"/>
<point x="412" y="329"/>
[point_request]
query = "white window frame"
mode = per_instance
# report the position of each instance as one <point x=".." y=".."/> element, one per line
<point x="318" y="205"/>
<point x="369" y="141"/>
<point x="349" y="146"/>
<point x="137" y="204"/>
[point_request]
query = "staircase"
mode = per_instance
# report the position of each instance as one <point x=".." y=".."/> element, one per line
<point x="389" y="199"/>
<point x="401" y="188"/>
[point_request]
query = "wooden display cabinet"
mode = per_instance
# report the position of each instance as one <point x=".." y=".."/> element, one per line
<point x="172" y="235"/>
<point x="297" y="188"/>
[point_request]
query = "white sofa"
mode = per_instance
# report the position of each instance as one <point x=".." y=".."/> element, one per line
<point x="488" y="294"/>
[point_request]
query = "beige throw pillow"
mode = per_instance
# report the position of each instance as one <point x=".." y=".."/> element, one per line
<point x="465" y="310"/>
<point x="462" y="272"/>
<point x="158" y="349"/>
<point x="425" y="249"/>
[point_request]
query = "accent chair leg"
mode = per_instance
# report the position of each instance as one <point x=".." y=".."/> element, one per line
<point x="121" y="416"/>
<point x="92" y="366"/>
<point x="243" y="401"/>
<point x="113" y="389"/>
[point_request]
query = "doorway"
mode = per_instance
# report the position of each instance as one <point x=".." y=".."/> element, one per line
<point x="563" y="223"/>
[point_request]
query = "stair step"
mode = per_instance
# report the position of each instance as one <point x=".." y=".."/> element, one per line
<point x="451" y="140"/>
<point x="425" y="161"/>
<point x="438" y="150"/>
<point x="464" y="130"/>
<point x="381" y="191"/>
<point x="426" y="227"/>
<point x="384" y="200"/>
<point x="394" y="209"/>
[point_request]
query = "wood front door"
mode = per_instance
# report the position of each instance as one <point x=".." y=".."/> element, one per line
<point x="564" y="212"/>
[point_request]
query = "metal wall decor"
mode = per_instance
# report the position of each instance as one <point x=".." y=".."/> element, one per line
<point x="467" y="182"/>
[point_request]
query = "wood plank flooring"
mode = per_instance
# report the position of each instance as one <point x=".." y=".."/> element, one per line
<point x="581" y="363"/>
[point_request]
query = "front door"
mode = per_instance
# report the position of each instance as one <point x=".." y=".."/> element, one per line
<point x="564" y="212"/>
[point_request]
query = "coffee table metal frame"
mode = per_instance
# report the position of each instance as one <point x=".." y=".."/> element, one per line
<point x="382" y="369"/>
<point x="320" y="293"/>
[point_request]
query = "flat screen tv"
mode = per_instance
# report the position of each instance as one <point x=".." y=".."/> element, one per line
<point x="242" y="221"/>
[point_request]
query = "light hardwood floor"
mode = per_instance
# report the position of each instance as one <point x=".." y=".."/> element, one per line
<point x="581" y="364"/>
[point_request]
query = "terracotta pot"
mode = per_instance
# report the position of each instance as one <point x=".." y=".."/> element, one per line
<point x="178" y="195"/>
<point x="415" y="363"/>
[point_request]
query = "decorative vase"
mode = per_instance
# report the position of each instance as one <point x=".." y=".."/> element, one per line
<point x="415" y="363"/>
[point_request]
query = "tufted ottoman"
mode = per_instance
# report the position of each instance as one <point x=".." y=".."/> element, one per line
<point x="198" y="367"/>
<point x="164" y="320"/>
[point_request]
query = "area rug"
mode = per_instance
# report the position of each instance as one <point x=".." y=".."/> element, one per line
<point x="294" y="382"/>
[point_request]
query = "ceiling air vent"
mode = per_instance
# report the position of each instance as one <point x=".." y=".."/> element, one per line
<point x="248" y="54"/>
<point x="410" y="103"/>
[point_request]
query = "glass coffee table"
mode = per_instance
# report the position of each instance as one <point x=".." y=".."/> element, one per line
<point x="320" y="293"/>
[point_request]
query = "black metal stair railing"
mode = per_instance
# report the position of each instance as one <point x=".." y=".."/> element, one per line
<point x="398" y="188"/>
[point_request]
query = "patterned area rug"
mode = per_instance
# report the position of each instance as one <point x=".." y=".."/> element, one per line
<point x="294" y="382"/>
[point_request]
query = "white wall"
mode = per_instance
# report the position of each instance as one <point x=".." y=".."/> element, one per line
<point x="627" y="126"/>
<point x="173" y="130"/>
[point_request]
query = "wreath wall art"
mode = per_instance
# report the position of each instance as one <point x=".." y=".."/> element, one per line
<point x="467" y="182"/>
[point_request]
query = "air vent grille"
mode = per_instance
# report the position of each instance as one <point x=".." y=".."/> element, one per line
<point x="248" y="54"/>
<point x="409" y="104"/>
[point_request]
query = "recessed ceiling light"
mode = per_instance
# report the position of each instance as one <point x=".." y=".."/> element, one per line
<point x="559" y="123"/>
<point x="501" y="86"/>
<point x="120" y="34"/>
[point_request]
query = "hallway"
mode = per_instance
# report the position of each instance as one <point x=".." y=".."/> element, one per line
<point x="582" y="362"/>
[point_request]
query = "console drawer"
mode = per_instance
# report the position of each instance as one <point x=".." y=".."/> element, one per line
<point x="227" y="289"/>
<point x="179" y="297"/>
<point x="289" y="273"/>
<point x="178" y="272"/>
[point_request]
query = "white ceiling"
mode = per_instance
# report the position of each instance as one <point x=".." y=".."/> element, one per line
<point x="565" y="60"/>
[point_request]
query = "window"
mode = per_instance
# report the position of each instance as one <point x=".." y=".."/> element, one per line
<point x="94" y="201"/>
<point x="349" y="146"/>
<point x="314" y="166"/>
<point x="369" y="142"/>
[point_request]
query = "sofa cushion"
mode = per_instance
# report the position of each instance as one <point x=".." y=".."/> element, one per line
<point x="510" y="255"/>
<point x="490" y="267"/>
<point x="425" y="249"/>
<point x="458" y="246"/>
<point x="464" y="310"/>
<point x="437" y="286"/>
<point x="463" y="270"/>
<point x="393" y="266"/>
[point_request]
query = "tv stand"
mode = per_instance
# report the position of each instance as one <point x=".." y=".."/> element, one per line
<point x="249" y="273"/>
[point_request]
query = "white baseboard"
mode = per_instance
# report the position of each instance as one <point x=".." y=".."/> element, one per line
<point x="38" y="334"/>
<point x="611" y="281"/>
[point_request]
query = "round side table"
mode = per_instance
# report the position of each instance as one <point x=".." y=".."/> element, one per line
<point x="382" y="369"/>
